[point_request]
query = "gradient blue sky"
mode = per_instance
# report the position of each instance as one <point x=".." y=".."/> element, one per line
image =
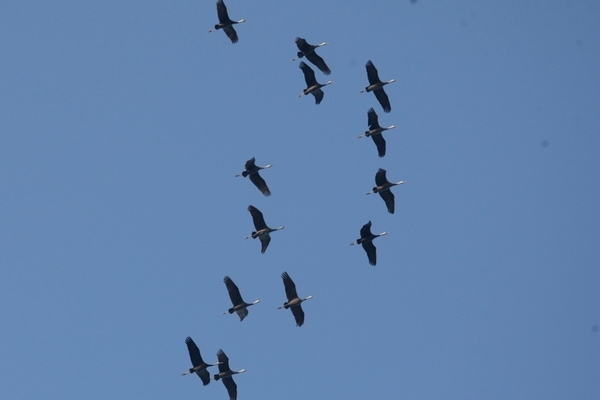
<point x="124" y="123"/>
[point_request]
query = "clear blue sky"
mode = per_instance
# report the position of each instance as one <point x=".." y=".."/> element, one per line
<point x="124" y="123"/>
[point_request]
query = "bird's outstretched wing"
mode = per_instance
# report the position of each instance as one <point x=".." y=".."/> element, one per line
<point x="222" y="12"/>
<point x="309" y="74"/>
<point x="383" y="99"/>
<point x="290" y="287"/>
<point x="257" y="218"/>
<point x="388" y="198"/>
<point x="234" y="292"/>
<point x="298" y="314"/>
<point x="318" y="96"/>
<point x="260" y="183"/>
<point x="318" y="62"/>
<point x="231" y="33"/>
<point x="380" y="143"/>
<point x="264" y="242"/>
<point x="231" y="387"/>
<point x="372" y="74"/>
<point x="371" y="252"/>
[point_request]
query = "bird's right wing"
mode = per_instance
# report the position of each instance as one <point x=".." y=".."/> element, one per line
<point x="231" y="34"/>
<point x="318" y="62"/>
<point x="298" y="314"/>
<point x="388" y="198"/>
<point x="194" y="351"/>
<point x="380" y="143"/>
<point x="264" y="242"/>
<point x="260" y="183"/>
<point x="204" y="376"/>
<point x="371" y="252"/>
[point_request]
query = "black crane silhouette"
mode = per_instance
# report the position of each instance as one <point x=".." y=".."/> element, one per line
<point x="251" y="171"/>
<point x="294" y="302"/>
<point x="239" y="305"/>
<point x="199" y="366"/>
<point x="376" y="131"/>
<point x="225" y="374"/>
<point x="226" y="23"/>
<point x="312" y="86"/>
<point x="366" y="240"/>
<point x="262" y="230"/>
<point x="308" y="51"/>
<point x="376" y="86"/>
<point x="383" y="188"/>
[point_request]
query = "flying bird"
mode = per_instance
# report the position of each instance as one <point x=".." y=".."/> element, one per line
<point x="366" y="239"/>
<point x="262" y="230"/>
<point x="252" y="171"/>
<point x="226" y="23"/>
<point x="293" y="300"/>
<point x="308" y="51"/>
<point x="225" y="374"/>
<point x="376" y="86"/>
<point x="376" y="131"/>
<point x="312" y="86"/>
<point x="239" y="305"/>
<point x="199" y="366"/>
<point x="383" y="188"/>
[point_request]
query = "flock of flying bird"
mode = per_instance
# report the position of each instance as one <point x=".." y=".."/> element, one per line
<point x="262" y="230"/>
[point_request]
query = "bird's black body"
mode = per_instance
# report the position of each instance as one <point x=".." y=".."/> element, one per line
<point x="239" y="305"/>
<point x="376" y="86"/>
<point x="226" y="23"/>
<point x="366" y="240"/>
<point x="251" y="171"/>
<point x="294" y="302"/>
<point x="199" y="366"/>
<point x="312" y="86"/>
<point x="308" y="51"/>
<point x="225" y="374"/>
<point x="262" y="230"/>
